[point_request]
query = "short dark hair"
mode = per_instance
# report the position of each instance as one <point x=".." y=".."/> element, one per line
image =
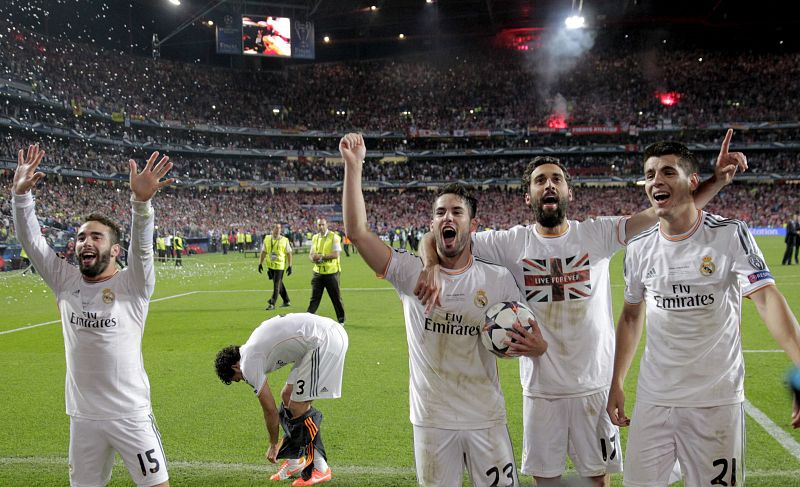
<point x="686" y="159"/>
<point x="541" y="161"/>
<point x="226" y="359"/>
<point x="462" y="191"/>
<point x="116" y="232"/>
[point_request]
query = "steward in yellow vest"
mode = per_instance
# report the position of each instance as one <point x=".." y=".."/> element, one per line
<point x="278" y="254"/>
<point x="326" y="245"/>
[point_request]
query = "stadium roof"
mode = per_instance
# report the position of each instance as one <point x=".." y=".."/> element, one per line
<point x="358" y="31"/>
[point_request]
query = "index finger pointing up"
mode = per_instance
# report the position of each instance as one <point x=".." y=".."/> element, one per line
<point x="726" y="143"/>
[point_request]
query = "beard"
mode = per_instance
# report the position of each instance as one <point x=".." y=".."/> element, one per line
<point x="100" y="263"/>
<point x="550" y="218"/>
<point x="460" y="243"/>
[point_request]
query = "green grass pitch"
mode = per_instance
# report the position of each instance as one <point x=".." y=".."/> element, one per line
<point x="214" y="434"/>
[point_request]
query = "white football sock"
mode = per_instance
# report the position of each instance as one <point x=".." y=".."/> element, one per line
<point x="319" y="462"/>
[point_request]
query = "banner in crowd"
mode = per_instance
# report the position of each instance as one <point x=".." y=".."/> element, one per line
<point x="303" y="40"/>
<point x="229" y="40"/>
<point x="768" y="231"/>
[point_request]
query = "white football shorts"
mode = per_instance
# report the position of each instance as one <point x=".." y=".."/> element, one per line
<point x="707" y="442"/>
<point x="318" y="375"/>
<point x="574" y="426"/>
<point x="441" y="455"/>
<point x="92" y="444"/>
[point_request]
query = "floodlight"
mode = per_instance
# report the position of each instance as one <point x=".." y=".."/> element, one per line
<point x="575" y="22"/>
<point x="175" y="2"/>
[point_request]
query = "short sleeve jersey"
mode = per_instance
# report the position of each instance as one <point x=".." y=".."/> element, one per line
<point x="280" y="341"/>
<point x="566" y="283"/>
<point x="453" y="378"/>
<point x="693" y="286"/>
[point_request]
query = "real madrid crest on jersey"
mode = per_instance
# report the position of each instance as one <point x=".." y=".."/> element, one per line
<point x="480" y="299"/>
<point x="108" y="296"/>
<point x="707" y="267"/>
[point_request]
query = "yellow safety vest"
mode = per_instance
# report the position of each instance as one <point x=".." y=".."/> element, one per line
<point x="224" y="238"/>
<point x="177" y="242"/>
<point x="324" y="246"/>
<point x="161" y="244"/>
<point x="276" y="251"/>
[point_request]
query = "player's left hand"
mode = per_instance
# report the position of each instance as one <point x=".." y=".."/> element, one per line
<point x="523" y="342"/>
<point x="728" y="163"/>
<point x="145" y="184"/>
<point x="272" y="453"/>
<point x="289" y="271"/>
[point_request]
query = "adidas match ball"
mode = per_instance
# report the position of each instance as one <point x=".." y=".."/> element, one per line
<point x="501" y="318"/>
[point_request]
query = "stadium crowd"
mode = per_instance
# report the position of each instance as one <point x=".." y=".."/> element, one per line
<point x="200" y="213"/>
<point x="451" y="92"/>
<point x="77" y="154"/>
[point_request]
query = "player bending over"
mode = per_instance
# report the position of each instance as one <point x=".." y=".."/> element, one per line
<point x="316" y="346"/>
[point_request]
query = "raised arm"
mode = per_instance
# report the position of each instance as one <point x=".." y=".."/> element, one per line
<point x="26" y="225"/>
<point x="629" y="332"/>
<point x="375" y="253"/>
<point x="728" y="163"/>
<point x="782" y="325"/>
<point x="144" y="186"/>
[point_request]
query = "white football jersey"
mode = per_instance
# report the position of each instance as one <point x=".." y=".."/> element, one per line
<point x="453" y="377"/>
<point x="693" y="287"/>
<point x="102" y="322"/>
<point x="282" y="340"/>
<point x="566" y="283"/>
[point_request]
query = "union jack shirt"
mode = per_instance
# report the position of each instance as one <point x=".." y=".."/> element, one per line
<point x="565" y="280"/>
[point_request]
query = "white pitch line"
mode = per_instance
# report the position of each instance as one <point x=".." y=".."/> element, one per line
<point x="762" y="351"/>
<point x="217" y="291"/>
<point x="775" y="431"/>
<point x="29" y="327"/>
<point x="341" y="469"/>
<point x="219" y="466"/>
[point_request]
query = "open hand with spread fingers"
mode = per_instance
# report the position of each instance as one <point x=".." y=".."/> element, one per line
<point x="145" y="184"/>
<point x="26" y="175"/>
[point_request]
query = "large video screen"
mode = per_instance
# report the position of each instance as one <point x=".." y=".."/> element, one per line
<point x="266" y="36"/>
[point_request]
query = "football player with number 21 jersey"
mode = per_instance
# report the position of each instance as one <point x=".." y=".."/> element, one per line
<point x="687" y="275"/>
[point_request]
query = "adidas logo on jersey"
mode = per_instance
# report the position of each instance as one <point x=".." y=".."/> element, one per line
<point x="324" y="389"/>
<point x="651" y="273"/>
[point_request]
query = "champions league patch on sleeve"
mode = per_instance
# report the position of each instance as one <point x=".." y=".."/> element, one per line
<point x="759" y="276"/>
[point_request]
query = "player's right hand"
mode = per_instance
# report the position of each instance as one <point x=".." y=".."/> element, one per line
<point x="260" y="268"/>
<point x="616" y="407"/>
<point x="26" y="176"/>
<point x="272" y="453"/>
